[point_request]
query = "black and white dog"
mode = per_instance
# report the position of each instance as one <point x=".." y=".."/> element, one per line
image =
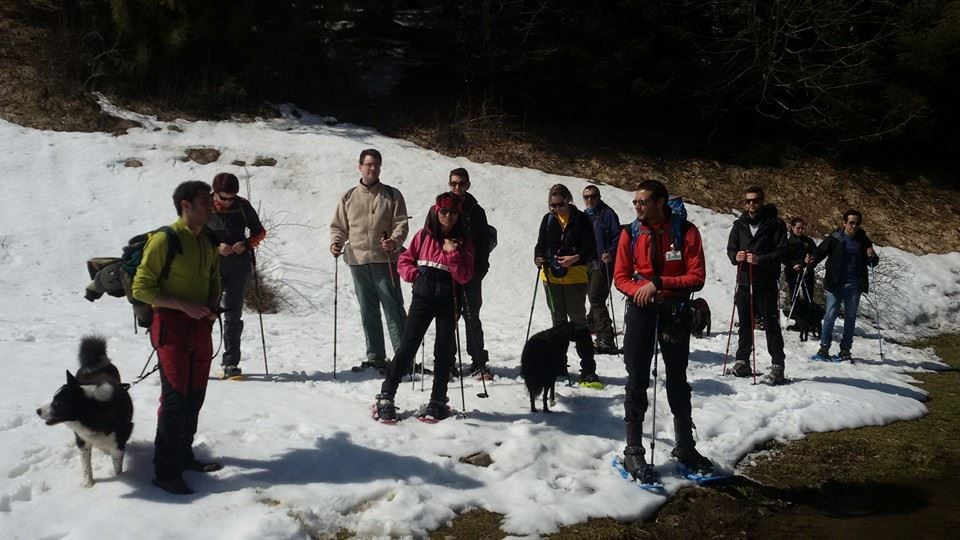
<point x="95" y="405"/>
<point x="544" y="359"/>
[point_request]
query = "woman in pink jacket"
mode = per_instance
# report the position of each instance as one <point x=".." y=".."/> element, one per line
<point x="439" y="259"/>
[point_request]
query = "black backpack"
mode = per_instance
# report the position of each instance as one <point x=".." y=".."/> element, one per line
<point x="114" y="275"/>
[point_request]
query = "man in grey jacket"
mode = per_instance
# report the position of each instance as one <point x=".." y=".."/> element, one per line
<point x="369" y="228"/>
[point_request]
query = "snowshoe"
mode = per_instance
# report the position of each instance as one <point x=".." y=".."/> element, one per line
<point x="774" y="377"/>
<point x="384" y="410"/>
<point x="647" y="479"/>
<point x="379" y="365"/>
<point x="433" y="412"/>
<point x="700" y="478"/>
<point x="231" y="373"/>
<point x="481" y="372"/>
<point x="590" y="380"/>
<point x="605" y="347"/>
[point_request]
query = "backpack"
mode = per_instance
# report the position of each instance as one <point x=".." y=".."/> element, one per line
<point x="114" y="275"/>
<point x="492" y="235"/>
<point x="678" y="222"/>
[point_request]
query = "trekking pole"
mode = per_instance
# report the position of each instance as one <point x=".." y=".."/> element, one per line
<point x="733" y="310"/>
<point x="256" y="285"/>
<point x="876" y="305"/>
<point x="656" y="354"/>
<point x="753" y="324"/>
<point x="423" y="362"/>
<point x="469" y="316"/>
<point x="456" y="326"/>
<point x="536" y="287"/>
<point x="796" y="294"/>
<point x="393" y="280"/>
<point x="613" y="318"/>
<point x="336" y="294"/>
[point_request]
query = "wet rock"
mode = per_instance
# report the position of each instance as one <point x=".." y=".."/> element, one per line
<point x="203" y="155"/>
<point x="264" y="162"/>
<point x="238" y="162"/>
<point x="130" y="162"/>
<point x="478" y="459"/>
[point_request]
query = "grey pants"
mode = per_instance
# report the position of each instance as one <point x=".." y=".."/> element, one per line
<point x="569" y="302"/>
<point x="377" y="285"/>
<point x="599" y="317"/>
<point x="235" y="273"/>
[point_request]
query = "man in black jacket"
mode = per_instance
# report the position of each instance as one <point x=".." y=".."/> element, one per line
<point x="470" y="299"/>
<point x="757" y="245"/>
<point x="848" y="252"/>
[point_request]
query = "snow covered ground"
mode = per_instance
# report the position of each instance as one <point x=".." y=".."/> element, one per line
<point x="300" y="449"/>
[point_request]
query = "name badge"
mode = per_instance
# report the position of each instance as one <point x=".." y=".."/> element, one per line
<point x="673" y="255"/>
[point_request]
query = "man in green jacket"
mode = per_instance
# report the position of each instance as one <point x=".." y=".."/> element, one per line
<point x="185" y="303"/>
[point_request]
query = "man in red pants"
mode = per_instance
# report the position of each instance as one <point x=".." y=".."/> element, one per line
<point x="184" y="291"/>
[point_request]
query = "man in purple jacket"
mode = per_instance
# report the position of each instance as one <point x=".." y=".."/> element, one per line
<point x="606" y="231"/>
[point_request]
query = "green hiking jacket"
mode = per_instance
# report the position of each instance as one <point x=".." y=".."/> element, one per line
<point x="194" y="274"/>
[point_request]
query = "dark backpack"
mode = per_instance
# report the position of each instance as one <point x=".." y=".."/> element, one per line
<point x="678" y="222"/>
<point x="492" y="235"/>
<point x="114" y="275"/>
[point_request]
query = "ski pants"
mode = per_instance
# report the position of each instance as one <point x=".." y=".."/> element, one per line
<point x="235" y="273"/>
<point x="377" y="285"/>
<point x="569" y="302"/>
<point x="423" y="311"/>
<point x="638" y="351"/>
<point x="765" y="298"/>
<point x="184" y="350"/>
<point x="470" y="301"/>
<point x="599" y="290"/>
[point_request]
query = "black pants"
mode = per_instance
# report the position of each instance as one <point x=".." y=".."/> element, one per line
<point x="765" y="306"/>
<point x="638" y="344"/>
<point x="598" y="318"/>
<point x="423" y="310"/>
<point x="470" y="301"/>
<point x="235" y="273"/>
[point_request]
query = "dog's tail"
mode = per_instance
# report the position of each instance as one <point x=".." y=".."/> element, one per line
<point x="93" y="352"/>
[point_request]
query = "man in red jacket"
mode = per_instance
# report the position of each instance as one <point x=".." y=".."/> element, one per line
<point x="659" y="263"/>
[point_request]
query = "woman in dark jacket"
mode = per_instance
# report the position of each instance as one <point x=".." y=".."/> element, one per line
<point x="439" y="260"/>
<point x="565" y="246"/>
<point x="799" y="245"/>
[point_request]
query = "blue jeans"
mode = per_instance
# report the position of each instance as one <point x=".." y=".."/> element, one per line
<point x="850" y="297"/>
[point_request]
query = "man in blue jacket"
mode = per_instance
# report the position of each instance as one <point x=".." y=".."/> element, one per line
<point x="848" y="251"/>
<point x="606" y="231"/>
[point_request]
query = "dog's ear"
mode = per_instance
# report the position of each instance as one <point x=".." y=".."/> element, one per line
<point x="71" y="380"/>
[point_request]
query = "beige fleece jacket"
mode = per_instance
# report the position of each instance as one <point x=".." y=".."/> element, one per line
<point x="363" y="215"/>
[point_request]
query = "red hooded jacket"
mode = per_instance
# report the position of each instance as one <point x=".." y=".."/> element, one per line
<point x="649" y="261"/>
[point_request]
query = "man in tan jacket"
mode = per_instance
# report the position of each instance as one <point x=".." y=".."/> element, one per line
<point x="369" y="228"/>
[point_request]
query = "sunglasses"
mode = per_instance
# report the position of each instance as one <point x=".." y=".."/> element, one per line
<point x="641" y="202"/>
<point x="755" y="200"/>
<point x="590" y="196"/>
<point x="226" y="197"/>
<point x="448" y="212"/>
<point x="459" y="184"/>
<point x="857" y="223"/>
<point x="558" y="205"/>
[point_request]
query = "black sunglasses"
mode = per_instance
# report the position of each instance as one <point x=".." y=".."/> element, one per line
<point x="558" y="205"/>
<point x="448" y="211"/>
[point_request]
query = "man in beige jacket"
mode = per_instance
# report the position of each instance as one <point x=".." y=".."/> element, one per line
<point x="369" y="228"/>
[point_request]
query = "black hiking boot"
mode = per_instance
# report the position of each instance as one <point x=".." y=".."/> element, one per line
<point x="741" y="368"/>
<point x="823" y="351"/>
<point x="845" y="355"/>
<point x="686" y="451"/>
<point x="231" y="371"/>
<point x="384" y="410"/>
<point x="202" y="466"/>
<point x="434" y="411"/>
<point x="633" y="460"/>
<point x="774" y="377"/>
<point x="605" y="346"/>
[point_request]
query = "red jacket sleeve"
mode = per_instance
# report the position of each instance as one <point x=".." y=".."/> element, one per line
<point x="623" y="266"/>
<point x="460" y="262"/>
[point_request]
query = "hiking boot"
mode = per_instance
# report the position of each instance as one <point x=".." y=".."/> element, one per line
<point x="231" y="371"/>
<point x="478" y="371"/>
<point x="634" y="462"/>
<point x="758" y="324"/>
<point x="774" y="377"/>
<point x="589" y="379"/>
<point x="688" y="456"/>
<point x="384" y="410"/>
<point x="845" y="355"/>
<point x="174" y="485"/>
<point x="741" y="369"/>
<point x="823" y="351"/>
<point x="434" y="410"/>
<point x="605" y="346"/>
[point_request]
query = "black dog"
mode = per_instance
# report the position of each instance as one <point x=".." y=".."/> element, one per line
<point x="809" y="318"/>
<point x="544" y="359"/>
<point x="699" y="318"/>
<point x="95" y="405"/>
